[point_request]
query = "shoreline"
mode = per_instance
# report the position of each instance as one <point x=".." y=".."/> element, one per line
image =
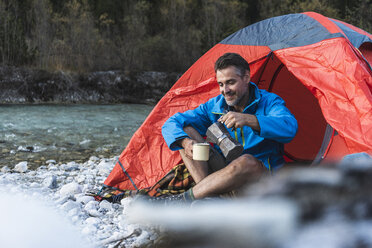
<point x="34" y="86"/>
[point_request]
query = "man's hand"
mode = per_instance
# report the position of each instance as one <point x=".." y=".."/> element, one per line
<point x="187" y="144"/>
<point x="238" y="120"/>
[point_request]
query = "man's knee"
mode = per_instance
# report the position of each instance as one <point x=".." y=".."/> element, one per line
<point x="249" y="160"/>
<point x="246" y="165"/>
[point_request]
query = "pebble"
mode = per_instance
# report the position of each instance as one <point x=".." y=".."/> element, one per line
<point x="84" y="199"/>
<point x="67" y="206"/>
<point x="93" y="158"/>
<point x="34" y="185"/>
<point x="50" y="182"/>
<point x="89" y="230"/>
<point x="5" y="169"/>
<point x="71" y="166"/>
<point x="32" y="173"/>
<point x="80" y="178"/>
<point x="21" y="167"/>
<point x="93" y="221"/>
<point x="105" y="205"/>
<point x="92" y="205"/>
<point x="52" y="167"/>
<point x="61" y="200"/>
<point x="104" y="167"/>
<point x="88" y="187"/>
<point x="73" y="212"/>
<point x="94" y="213"/>
<point x="70" y="189"/>
<point x="75" y="219"/>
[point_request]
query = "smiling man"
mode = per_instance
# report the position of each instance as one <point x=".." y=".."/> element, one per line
<point x="256" y="118"/>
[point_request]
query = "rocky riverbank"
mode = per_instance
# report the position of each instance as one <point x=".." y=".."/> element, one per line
<point x="24" y="85"/>
<point x="48" y="207"/>
<point x="326" y="206"/>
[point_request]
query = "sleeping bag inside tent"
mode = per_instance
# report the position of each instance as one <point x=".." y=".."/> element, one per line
<point x="321" y="67"/>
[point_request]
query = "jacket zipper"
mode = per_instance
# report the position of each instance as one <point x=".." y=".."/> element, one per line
<point x="268" y="162"/>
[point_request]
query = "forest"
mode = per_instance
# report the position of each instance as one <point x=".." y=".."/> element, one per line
<point x="143" y="35"/>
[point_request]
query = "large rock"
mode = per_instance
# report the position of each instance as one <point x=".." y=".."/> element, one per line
<point x="21" y="167"/>
<point x="70" y="189"/>
<point x="22" y="85"/>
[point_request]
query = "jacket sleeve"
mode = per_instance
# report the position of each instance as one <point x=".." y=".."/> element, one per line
<point x="278" y="123"/>
<point x="172" y="129"/>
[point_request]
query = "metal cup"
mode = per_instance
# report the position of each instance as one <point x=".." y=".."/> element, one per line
<point x="200" y="151"/>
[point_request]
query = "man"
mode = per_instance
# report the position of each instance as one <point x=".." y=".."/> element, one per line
<point x="258" y="119"/>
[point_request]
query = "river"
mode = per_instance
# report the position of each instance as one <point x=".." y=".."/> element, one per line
<point x="38" y="133"/>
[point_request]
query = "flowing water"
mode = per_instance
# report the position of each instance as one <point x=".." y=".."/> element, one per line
<point x="37" y="133"/>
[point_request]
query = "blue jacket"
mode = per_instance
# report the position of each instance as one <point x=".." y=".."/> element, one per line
<point x="276" y="122"/>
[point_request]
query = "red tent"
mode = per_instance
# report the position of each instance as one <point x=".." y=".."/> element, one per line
<point x="319" y="66"/>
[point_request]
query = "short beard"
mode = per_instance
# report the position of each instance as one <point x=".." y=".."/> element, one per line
<point x="233" y="103"/>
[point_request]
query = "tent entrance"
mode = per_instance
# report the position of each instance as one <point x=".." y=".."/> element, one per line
<point x="273" y="76"/>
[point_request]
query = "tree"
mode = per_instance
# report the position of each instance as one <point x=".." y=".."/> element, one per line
<point x="221" y="18"/>
<point x="271" y="8"/>
<point x="75" y="37"/>
<point x="41" y="33"/>
<point x="162" y="35"/>
<point x="14" y="49"/>
<point x="360" y="14"/>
